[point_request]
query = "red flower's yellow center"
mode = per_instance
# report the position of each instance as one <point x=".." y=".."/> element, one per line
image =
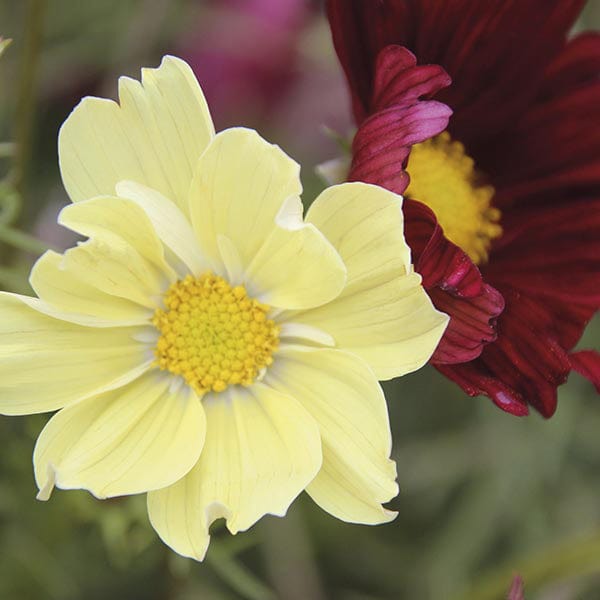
<point x="444" y="177"/>
<point x="212" y="334"/>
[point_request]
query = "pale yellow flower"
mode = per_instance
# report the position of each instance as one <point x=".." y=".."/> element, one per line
<point x="206" y="344"/>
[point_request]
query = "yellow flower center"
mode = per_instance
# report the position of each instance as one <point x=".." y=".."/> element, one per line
<point x="444" y="178"/>
<point x="212" y="334"/>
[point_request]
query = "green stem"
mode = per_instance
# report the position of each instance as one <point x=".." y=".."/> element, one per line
<point x="9" y="204"/>
<point x="26" y="99"/>
<point x="569" y="559"/>
<point x="22" y="241"/>
<point x="236" y="575"/>
<point x="10" y="279"/>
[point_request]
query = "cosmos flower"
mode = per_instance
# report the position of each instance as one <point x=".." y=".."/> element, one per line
<point x="206" y="344"/>
<point x="504" y="196"/>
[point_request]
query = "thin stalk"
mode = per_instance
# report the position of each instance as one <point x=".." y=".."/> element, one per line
<point x="243" y="581"/>
<point x="22" y="241"/>
<point x="26" y="97"/>
<point x="569" y="559"/>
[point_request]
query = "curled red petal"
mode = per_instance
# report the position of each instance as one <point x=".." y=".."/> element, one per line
<point x="524" y="365"/>
<point x="382" y="143"/>
<point x="440" y="262"/>
<point x="472" y="323"/>
<point x="398" y="79"/>
<point x="455" y="286"/>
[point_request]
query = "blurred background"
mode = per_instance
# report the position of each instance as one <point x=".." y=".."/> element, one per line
<point x="484" y="495"/>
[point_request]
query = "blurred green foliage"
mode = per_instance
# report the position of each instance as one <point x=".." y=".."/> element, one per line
<point x="483" y="495"/>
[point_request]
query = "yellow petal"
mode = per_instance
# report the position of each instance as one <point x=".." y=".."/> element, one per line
<point x="141" y="437"/>
<point x="290" y="333"/>
<point x="154" y="136"/>
<point x="239" y="186"/>
<point x="124" y="260"/>
<point x="365" y="223"/>
<point x="46" y="363"/>
<point x="261" y="450"/>
<point x="103" y="217"/>
<point x="383" y="315"/>
<point x="171" y="225"/>
<point x="90" y="290"/>
<point x="343" y="396"/>
<point x="65" y="297"/>
<point x="296" y="267"/>
<point x="115" y="268"/>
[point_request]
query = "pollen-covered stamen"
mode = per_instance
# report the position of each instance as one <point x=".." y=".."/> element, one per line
<point x="212" y="334"/>
<point x="444" y="177"/>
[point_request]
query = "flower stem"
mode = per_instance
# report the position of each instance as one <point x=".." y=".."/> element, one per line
<point x="569" y="559"/>
<point x="26" y="100"/>
<point x="22" y="241"/>
<point x="236" y="575"/>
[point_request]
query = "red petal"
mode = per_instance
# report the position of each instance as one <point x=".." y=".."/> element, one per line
<point x="398" y="79"/>
<point x="382" y="143"/>
<point x="578" y="64"/>
<point x="472" y="324"/>
<point x="552" y="138"/>
<point x="547" y="262"/>
<point x="551" y="255"/>
<point x="587" y="363"/>
<point x="358" y="38"/>
<point x="524" y="365"/>
<point x="551" y="151"/>
<point x="440" y="262"/>
<point x="475" y="380"/>
<point x="455" y="286"/>
<point x="492" y="50"/>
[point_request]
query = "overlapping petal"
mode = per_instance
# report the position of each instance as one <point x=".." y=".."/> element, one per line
<point x="297" y="248"/>
<point x="123" y="256"/>
<point x="109" y="263"/>
<point x="143" y="436"/>
<point x="64" y="296"/>
<point x="342" y="394"/>
<point x="455" y="286"/>
<point x="171" y="225"/>
<point x="252" y="224"/>
<point x="399" y="118"/>
<point x="240" y="184"/>
<point x="262" y="448"/>
<point x="383" y="314"/>
<point x="153" y="137"/>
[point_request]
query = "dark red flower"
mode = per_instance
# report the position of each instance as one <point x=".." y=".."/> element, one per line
<point x="522" y="279"/>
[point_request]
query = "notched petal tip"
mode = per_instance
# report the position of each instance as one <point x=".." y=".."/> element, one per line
<point x="153" y="134"/>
